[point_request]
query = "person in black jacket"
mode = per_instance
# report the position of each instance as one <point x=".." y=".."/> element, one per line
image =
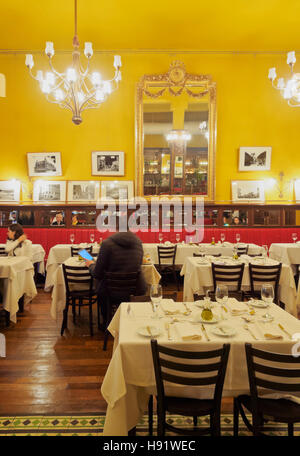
<point x="123" y="253"/>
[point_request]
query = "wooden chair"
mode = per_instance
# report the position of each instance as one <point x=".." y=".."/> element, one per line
<point x="118" y="288"/>
<point x="228" y="275"/>
<point x="75" y="250"/>
<point x="165" y="253"/>
<point x="78" y="277"/>
<point x="202" y="254"/>
<point x="3" y="252"/>
<point x="278" y="410"/>
<point x="242" y="250"/>
<point x="263" y="274"/>
<point x="231" y="294"/>
<point x="146" y="298"/>
<point x="183" y="405"/>
<point x="252" y="255"/>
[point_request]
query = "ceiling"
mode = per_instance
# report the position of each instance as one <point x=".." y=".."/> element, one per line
<point x="213" y="25"/>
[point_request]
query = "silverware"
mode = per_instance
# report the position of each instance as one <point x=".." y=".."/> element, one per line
<point x="286" y="332"/>
<point x="167" y="326"/>
<point x="149" y="330"/>
<point x="248" y="329"/>
<point x="205" y="333"/>
<point x="186" y="307"/>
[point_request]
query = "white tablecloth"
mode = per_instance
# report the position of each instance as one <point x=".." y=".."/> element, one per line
<point x="38" y="253"/>
<point x="198" y="278"/>
<point x="130" y="376"/>
<point x="17" y="280"/>
<point x="287" y="253"/>
<point x="59" y="292"/>
<point x="186" y="250"/>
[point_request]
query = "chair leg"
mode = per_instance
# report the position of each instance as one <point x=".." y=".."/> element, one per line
<point x="195" y="421"/>
<point x="21" y="304"/>
<point x="74" y="311"/>
<point x="105" y="340"/>
<point x="160" y="423"/>
<point x="291" y="429"/>
<point x="235" y="417"/>
<point x="150" y="415"/>
<point x="91" y="318"/>
<point x="215" y="424"/>
<point x="65" y="319"/>
<point x="7" y="318"/>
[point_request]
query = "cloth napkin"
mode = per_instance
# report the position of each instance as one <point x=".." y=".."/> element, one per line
<point x="188" y="332"/>
<point x="288" y="397"/>
<point x="172" y="308"/>
<point x="268" y="331"/>
<point x="235" y="306"/>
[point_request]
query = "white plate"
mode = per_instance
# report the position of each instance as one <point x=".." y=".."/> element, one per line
<point x="266" y="319"/>
<point x="210" y="322"/>
<point x="229" y="331"/>
<point x="200" y="303"/>
<point x="259" y="304"/>
<point x="143" y="331"/>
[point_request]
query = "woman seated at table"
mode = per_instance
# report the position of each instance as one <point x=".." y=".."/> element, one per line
<point x="17" y="243"/>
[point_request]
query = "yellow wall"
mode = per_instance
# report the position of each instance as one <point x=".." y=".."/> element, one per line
<point x="249" y="113"/>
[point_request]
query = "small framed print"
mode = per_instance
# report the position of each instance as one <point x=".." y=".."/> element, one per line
<point x="44" y="164"/>
<point x="244" y="191"/>
<point x="49" y="191"/>
<point x="83" y="191"/>
<point x="255" y="158"/>
<point x="107" y="163"/>
<point x="10" y="191"/>
<point x="117" y="190"/>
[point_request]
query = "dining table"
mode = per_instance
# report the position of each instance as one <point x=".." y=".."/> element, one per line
<point x="16" y="281"/>
<point x="198" y="278"/>
<point x="58" y="296"/>
<point x="288" y="253"/>
<point x="129" y="380"/>
<point x="38" y="257"/>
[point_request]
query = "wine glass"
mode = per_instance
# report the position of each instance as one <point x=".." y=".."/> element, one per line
<point x="294" y="237"/>
<point x="92" y="238"/>
<point x="155" y="296"/>
<point x="222" y="294"/>
<point x="238" y="238"/>
<point x="267" y="293"/>
<point x="72" y="238"/>
<point x="265" y="251"/>
<point x="177" y="237"/>
<point x="160" y="237"/>
<point x="222" y="237"/>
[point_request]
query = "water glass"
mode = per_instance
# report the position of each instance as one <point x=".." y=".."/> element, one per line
<point x="160" y="237"/>
<point x="294" y="237"/>
<point x="177" y="237"/>
<point x="156" y="297"/>
<point x="222" y="237"/>
<point x="72" y="238"/>
<point x="222" y="294"/>
<point x="267" y="293"/>
<point x="92" y="238"/>
<point x="265" y="251"/>
<point x="237" y="237"/>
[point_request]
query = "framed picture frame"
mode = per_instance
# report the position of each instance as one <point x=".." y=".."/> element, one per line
<point x="245" y="191"/>
<point x="47" y="191"/>
<point x="297" y="190"/>
<point x="44" y="164"/>
<point x="83" y="191"/>
<point x="255" y="158"/>
<point x="117" y="190"/>
<point x="108" y="163"/>
<point x="10" y="191"/>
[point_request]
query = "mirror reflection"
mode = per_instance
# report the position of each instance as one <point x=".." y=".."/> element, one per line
<point x="235" y="217"/>
<point x="83" y="218"/>
<point x="52" y="217"/>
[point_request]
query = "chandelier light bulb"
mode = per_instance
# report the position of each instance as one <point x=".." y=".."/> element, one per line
<point x="96" y="78"/>
<point x="272" y="74"/>
<point x="71" y="75"/>
<point x="29" y="61"/>
<point x="50" y="78"/>
<point x="280" y="84"/>
<point x="117" y="62"/>
<point x="106" y="87"/>
<point x="88" y="50"/>
<point x="99" y="95"/>
<point x="287" y="94"/>
<point x="39" y="75"/>
<point x="59" y="95"/>
<point x="45" y="87"/>
<point x="80" y="97"/>
<point x="49" y="49"/>
<point x="291" y="58"/>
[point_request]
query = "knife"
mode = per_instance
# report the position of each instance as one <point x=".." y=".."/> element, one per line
<point x="205" y="333"/>
<point x="282" y="328"/>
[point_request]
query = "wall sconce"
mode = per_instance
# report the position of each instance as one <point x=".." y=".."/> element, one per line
<point x="281" y="186"/>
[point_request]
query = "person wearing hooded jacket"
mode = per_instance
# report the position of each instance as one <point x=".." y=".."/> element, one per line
<point x="122" y="253"/>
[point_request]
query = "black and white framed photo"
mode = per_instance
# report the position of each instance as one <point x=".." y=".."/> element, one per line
<point x="117" y="190"/>
<point x="10" y="191"/>
<point x="244" y="191"/>
<point x="255" y="158"/>
<point x="49" y="191"/>
<point x="83" y="191"/>
<point x="44" y="164"/>
<point x="108" y="163"/>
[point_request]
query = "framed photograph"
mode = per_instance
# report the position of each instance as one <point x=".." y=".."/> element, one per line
<point x="108" y="163"/>
<point x="44" y="164"/>
<point x="255" y="158"/>
<point x="83" y="191"/>
<point x="49" y="191"/>
<point x="244" y="191"/>
<point x="117" y="190"/>
<point x="10" y="191"/>
<point x="297" y="190"/>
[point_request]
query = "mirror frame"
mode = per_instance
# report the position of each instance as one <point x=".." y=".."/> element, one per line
<point x="176" y="81"/>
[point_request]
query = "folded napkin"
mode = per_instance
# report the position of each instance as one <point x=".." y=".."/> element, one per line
<point x="288" y="397"/>
<point x="269" y="331"/>
<point x="273" y="336"/>
<point x="188" y="332"/>
<point x="235" y="306"/>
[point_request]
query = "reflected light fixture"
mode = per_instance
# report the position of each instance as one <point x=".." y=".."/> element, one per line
<point x="178" y="135"/>
<point x="290" y="88"/>
<point x="77" y="89"/>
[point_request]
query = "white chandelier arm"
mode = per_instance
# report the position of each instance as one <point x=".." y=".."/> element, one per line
<point x="62" y="104"/>
<point x="86" y="71"/>
<point x="89" y="91"/>
<point x="86" y="102"/>
<point x="60" y="75"/>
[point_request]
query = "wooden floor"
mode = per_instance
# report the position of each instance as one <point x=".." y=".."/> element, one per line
<point x="44" y="373"/>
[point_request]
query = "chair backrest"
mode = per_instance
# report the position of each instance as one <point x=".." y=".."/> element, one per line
<point x="121" y="284"/>
<point x="242" y="250"/>
<point x="198" y="254"/>
<point x="230" y="275"/>
<point x="232" y="294"/>
<point x="2" y="251"/>
<point x="175" y="369"/>
<point x="77" y="275"/>
<point x="265" y="274"/>
<point x="257" y="255"/>
<point x="166" y="252"/>
<point x="146" y="298"/>
<point x="256" y="367"/>
<point x="75" y="250"/>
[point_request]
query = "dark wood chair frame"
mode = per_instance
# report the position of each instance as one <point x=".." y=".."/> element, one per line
<point x="167" y="253"/>
<point x="274" y="407"/>
<point x="75" y="250"/>
<point x="228" y="274"/>
<point x="264" y="274"/>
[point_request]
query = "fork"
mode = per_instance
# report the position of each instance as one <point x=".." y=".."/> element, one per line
<point x="248" y="329"/>
<point x="167" y="326"/>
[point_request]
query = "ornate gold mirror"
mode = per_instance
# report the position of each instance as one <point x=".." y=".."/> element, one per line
<point x="176" y="134"/>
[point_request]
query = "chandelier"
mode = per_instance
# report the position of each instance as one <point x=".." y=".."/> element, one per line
<point x="77" y="89"/>
<point x="178" y="136"/>
<point x="289" y="88"/>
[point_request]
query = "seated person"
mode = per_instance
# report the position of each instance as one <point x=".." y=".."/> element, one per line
<point x="75" y="220"/>
<point x="123" y="253"/>
<point x="58" y="220"/>
<point x="17" y="243"/>
<point x="236" y="221"/>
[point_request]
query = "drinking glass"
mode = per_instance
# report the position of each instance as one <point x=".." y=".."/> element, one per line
<point x="237" y="237"/>
<point x="294" y="237"/>
<point x="201" y="250"/>
<point x="265" y="251"/>
<point x="177" y="237"/>
<point x="160" y="237"/>
<point x="156" y="297"/>
<point x="92" y="238"/>
<point x="267" y="293"/>
<point x="222" y="237"/>
<point x="222" y="294"/>
<point x="72" y="238"/>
